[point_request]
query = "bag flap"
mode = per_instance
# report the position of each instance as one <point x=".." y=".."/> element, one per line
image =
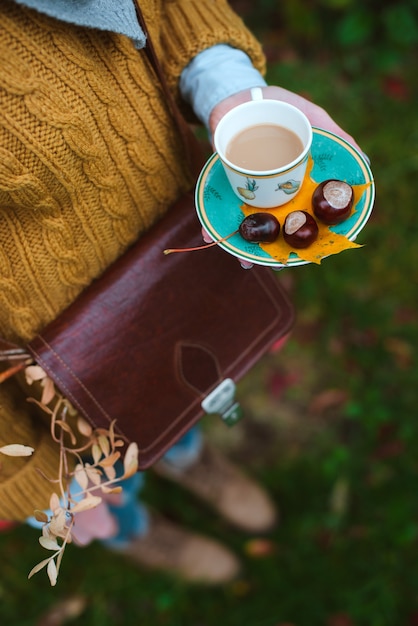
<point x="146" y="342"/>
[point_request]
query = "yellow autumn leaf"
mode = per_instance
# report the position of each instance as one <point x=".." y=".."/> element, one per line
<point x="327" y="243"/>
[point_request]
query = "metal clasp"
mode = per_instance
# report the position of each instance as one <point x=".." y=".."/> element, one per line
<point x="221" y="400"/>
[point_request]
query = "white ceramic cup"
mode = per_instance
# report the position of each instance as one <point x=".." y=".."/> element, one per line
<point x="270" y="188"/>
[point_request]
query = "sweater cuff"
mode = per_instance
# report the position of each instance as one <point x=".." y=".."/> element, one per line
<point x="194" y="26"/>
<point x="215" y="74"/>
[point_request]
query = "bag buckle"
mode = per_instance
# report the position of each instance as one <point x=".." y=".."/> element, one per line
<point x="221" y="400"/>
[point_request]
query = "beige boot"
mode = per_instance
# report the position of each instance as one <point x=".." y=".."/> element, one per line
<point x="192" y="557"/>
<point x="214" y="479"/>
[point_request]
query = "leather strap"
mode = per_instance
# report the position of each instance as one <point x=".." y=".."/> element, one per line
<point x="194" y="152"/>
<point x="193" y="149"/>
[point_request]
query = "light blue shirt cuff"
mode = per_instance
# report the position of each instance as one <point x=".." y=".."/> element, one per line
<point x="215" y="74"/>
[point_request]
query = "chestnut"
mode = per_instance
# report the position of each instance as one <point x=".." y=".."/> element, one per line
<point x="260" y="228"/>
<point x="332" y="201"/>
<point x="300" y="229"/>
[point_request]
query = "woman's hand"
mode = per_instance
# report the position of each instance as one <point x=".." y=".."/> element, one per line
<point x="315" y="114"/>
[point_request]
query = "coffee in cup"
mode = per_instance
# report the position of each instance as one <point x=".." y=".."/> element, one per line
<point x="264" y="146"/>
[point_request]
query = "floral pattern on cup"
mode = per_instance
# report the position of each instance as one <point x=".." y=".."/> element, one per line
<point x="272" y="187"/>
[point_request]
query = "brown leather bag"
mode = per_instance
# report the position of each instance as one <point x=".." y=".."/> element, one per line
<point x="156" y="342"/>
<point x="149" y="341"/>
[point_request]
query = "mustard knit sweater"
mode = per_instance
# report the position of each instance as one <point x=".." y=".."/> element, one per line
<point x="89" y="160"/>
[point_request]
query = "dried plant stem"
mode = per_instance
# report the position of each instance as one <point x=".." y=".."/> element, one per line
<point x="202" y="247"/>
<point x="12" y="371"/>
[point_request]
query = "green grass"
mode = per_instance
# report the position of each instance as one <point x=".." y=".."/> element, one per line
<point x="345" y="474"/>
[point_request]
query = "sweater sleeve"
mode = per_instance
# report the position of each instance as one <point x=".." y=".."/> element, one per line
<point x="24" y="484"/>
<point x="191" y="26"/>
<point x="200" y="84"/>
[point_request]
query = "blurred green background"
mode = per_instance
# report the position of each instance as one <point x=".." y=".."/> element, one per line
<point x="332" y="421"/>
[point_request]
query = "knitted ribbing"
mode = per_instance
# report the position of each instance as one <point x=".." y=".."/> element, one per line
<point x="24" y="480"/>
<point x="81" y="176"/>
<point x="183" y="18"/>
<point x="89" y="155"/>
<point x="89" y="160"/>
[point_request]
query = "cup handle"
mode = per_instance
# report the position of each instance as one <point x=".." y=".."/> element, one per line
<point x="256" y="93"/>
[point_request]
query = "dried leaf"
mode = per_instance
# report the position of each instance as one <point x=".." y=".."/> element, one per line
<point x="96" y="453"/>
<point x="89" y="502"/>
<point x="328" y="399"/>
<point x="339" y="499"/>
<point x="130" y="461"/>
<point x="71" y="410"/>
<point x="58" y="523"/>
<point x="49" y="544"/>
<point x="52" y="572"/>
<point x="104" y="444"/>
<point x="110" y="472"/>
<point x="16" y="449"/>
<point x="41" y="516"/>
<point x="33" y="373"/>
<point x="61" y="612"/>
<point x="110" y="460"/>
<point x="401" y="350"/>
<point x="111" y="432"/>
<point x="48" y="392"/>
<point x="94" y="475"/>
<point x="259" y="548"/>
<point x="54" y="502"/>
<point x="43" y="407"/>
<point x="84" y="427"/>
<point x="39" y="566"/>
<point x="67" y="428"/>
<point x="80" y="475"/>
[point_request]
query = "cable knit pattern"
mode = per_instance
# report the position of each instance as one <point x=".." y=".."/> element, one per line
<point x="89" y="160"/>
<point x="24" y="480"/>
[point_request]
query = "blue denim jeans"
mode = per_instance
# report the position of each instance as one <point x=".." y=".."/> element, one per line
<point x="132" y="515"/>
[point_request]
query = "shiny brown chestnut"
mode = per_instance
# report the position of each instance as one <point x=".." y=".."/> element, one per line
<point x="300" y="229"/>
<point x="260" y="228"/>
<point x="332" y="201"/>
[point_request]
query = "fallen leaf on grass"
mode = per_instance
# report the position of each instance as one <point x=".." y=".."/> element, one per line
<point x="340" y="619"/>
<point x="260" y="548"/>
<point x="61" y="612"/>
<point x="327" y="399"/>
<point x="401" y="350"/>
<point x="340" y="496"/>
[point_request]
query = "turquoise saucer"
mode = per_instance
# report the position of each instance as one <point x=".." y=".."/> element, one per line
<point x="219" y="212"/>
